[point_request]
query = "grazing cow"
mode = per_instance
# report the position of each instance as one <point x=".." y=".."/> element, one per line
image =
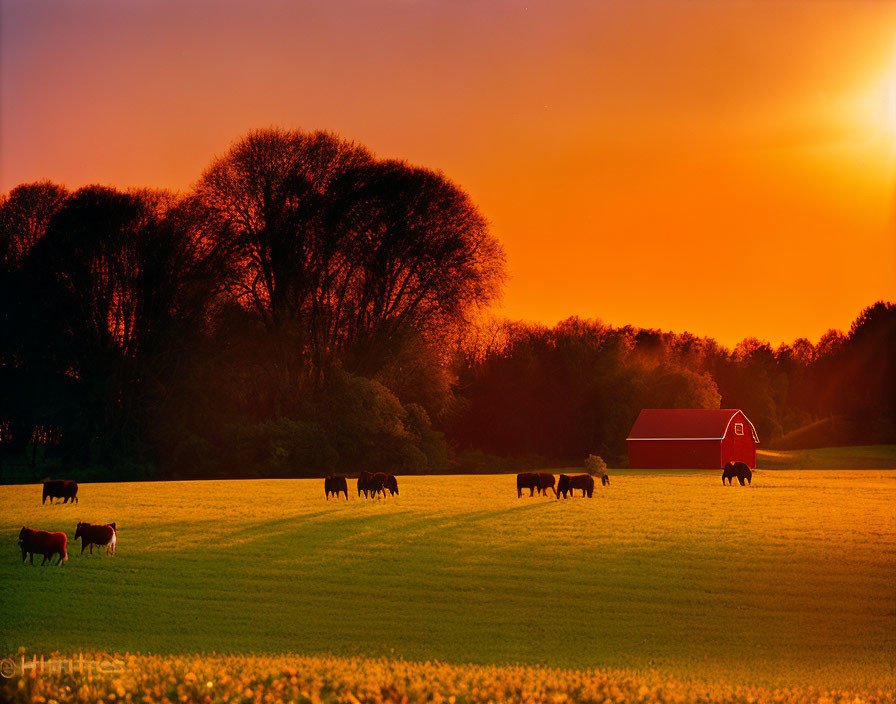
<point x="739" y="470"/>
<point x="585" y="482"/>
<point x="60" y="489"/>
<point x="43" y="543"/>
<point x="378" y="484"/>
<point x="101" y="536"/>
<point x="567" y="484"/>
<point x="391" y="485"/>
<point x="333" y="485"/>
<point x="364" y="480"/>
<point x="605" y="479"/>
<point x="53" y="489"/>
<point x="545" y="482"/>
<point x="526" y="480"/>
<point x="728" y="473"/>
<point x="71" y="491"/>
<point x="562" y="486"/>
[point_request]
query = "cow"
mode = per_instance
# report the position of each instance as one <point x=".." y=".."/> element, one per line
<point x="545" y="482"/>
<point x="526" y="480"/>
<point x="364" y="480"/>
<point x="562" y="486"/>
<point x="391" y="484"/>
<point x="101" y="536"/>
<point x="378" y="484"/>
<point x="739" y="470"/>
<point x="605" y="479"/>
<point x="60" y="489"/>
<point x="566" y="484"/>
<point x="43" y="543"/>
<point x="71" y="491"/>
<point x="334" y="485"/>
<point x="53" y="488"/>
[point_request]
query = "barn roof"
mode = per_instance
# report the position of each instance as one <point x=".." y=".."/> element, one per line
<point x="684" y="424"/>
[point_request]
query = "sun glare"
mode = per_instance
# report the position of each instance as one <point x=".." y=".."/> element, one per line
<point x="886" y="107"/>
<point x="872" y="113"/>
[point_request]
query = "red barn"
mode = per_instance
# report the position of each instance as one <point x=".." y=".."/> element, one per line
<point x="678" y="438"/>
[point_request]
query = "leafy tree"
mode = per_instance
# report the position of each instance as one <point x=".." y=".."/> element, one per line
<point x="870" y="388"/>
<point x="681" y="388"/>
<point x="595" y="466"/>
<point x="343" y="252"/>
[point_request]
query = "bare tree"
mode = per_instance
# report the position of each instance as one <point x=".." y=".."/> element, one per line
<point x="24" y="216"/>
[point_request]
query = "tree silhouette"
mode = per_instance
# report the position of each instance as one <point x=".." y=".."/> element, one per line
<point x="107" y="282"/>
<point x="24" y="215"/>
<point x="308" y="307"/>
<point x="343" y="254"/>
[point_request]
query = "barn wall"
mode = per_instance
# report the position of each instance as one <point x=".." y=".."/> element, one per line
<point x="739" y="448"/>
<point x="674" y="454"/>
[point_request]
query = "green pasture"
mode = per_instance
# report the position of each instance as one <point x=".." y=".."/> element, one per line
<point x="857" y="457"/>
<point x="790" y="580"/>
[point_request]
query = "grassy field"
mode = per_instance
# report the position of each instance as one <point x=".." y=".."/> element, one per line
<point x="788" y="581"/>
<point x="856" y="457"/>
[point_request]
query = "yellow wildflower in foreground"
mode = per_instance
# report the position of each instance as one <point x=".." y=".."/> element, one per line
<point x="241" y="679"/>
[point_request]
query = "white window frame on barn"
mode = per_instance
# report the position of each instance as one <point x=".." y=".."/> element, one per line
<point x="738" y="428"/>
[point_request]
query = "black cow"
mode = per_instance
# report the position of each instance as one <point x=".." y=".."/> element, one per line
<point x="378" y="484"/>
<point x="526" y="480"/>
<point x="60" y="489"/>
<point x="334" y="485"/>
<point x="364" y="482"/>
<point x="567" y="484"/>
<point x="545" y="482"/>
<point x="605" y="479"/>
<point x="391" y="484"/>
<point x="739" y="470"/>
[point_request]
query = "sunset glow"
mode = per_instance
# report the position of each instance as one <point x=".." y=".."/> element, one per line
<point x="887" y="112"/>
<point x="722" y="168"/>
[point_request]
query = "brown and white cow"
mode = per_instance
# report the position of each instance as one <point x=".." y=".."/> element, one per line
<point x="101" y="536"/>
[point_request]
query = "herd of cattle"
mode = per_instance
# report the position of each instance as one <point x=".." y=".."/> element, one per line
<point x="40" y="542"/>
<point x="542" y="482"/>
<point x="55" y="544"/>
<point x="372" y="485"/>
<point x="737" y="469"/>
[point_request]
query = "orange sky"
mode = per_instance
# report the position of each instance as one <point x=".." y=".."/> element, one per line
<point x="724" y="168"/>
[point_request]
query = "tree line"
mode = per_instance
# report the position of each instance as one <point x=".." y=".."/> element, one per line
<point x="308" y="308"/>
<point x="287" y="315"/>
<point x="576" y="388"/>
